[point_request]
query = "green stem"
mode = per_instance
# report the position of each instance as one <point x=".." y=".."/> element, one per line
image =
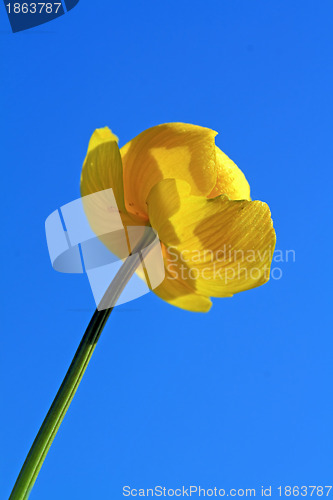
<point x="65" y="394"/>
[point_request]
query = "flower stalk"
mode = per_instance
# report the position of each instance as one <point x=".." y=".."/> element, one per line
<point x="71" y="382"/>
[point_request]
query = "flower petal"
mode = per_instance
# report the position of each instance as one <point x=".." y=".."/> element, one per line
<point x="176" y="292"/>
<point x="226" y="246"/>
<point x="172" y="150"/>
<point x="102" y="169"/>
<point x="230" y="179"/>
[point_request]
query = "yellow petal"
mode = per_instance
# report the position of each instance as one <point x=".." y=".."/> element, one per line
<point x="230" y="179"/>
<point x="172" y="150"/>
<point x="226" y="246"/>
<point x="179" y="293"/>
<point x="102" y="169"/>
<point x="174" y="291"/>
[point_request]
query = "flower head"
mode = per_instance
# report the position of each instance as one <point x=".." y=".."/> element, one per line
<point x="215" y="241"/>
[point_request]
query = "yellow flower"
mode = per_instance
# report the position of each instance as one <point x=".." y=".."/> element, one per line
<point x="215" y="241"/>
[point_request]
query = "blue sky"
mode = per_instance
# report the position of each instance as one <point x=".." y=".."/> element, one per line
<point x="237" y="398"/>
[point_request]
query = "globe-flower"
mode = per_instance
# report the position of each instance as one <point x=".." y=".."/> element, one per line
<point x="173" y="178"/>
<point x="215" y="241"/>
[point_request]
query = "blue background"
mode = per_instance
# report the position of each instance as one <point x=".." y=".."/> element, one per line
<point x="237" y="398"/>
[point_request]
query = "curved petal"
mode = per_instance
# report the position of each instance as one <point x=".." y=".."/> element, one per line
<point x="172" y="150"/>
<point x="177" y="292"/>
<point x="230" y="179"/>
<point x="227" y="246"/>
<point x="173" y="290"/>
<point x="102" y="169"/>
